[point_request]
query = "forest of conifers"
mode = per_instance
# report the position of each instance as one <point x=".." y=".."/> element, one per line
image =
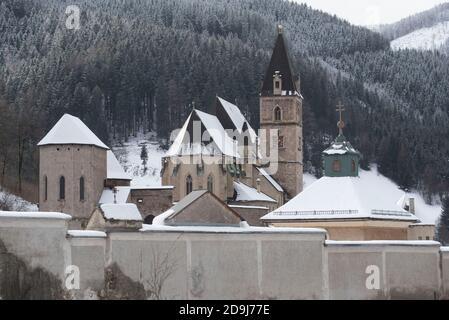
<point x="142" y="65"/>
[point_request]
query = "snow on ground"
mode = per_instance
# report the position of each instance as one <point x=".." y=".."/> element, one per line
<point x="424" y="39"/>
<point x="308" y="179"/>
<point x="12" y="202"/>
<point x="128" y="155"/>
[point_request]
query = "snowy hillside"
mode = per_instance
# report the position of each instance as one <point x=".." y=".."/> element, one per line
<point x="10" y="202"/>
<point x="129" y="155"/>
<point x="424" y="39"/>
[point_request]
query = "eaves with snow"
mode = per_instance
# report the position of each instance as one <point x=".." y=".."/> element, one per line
<point x="341" y="198"/>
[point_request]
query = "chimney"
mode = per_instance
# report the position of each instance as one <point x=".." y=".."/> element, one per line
<point x="412" y="209"/>
<point x="258" y="185"/>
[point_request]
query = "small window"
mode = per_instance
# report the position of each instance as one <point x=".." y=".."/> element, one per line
<point x="427" y="238"/>
<point x="281" y="142"/>
<point x="336" y="166"/>
<point x="62" y="188"/>
<point x="277" y="84"/>
<point x="82" y="194"/>
<point x="210" y="184"/>
<point x="189" y="185"/>
<point x="419" y="238"/>
<point x="277" y="114"/>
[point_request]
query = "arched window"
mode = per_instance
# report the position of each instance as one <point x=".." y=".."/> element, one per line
<point x="353" y="166"/>
<point x="336" y="166"/>
<point x="45" y="188"/>
<point x="62" y="188"/>
<point x="277" y="114"/>
<point x="82" y="189"/>
<point x="210" y="184"/>
<point x="189" y="185"/>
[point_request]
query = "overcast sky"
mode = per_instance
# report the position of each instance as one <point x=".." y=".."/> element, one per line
<point x="372" y="12"/>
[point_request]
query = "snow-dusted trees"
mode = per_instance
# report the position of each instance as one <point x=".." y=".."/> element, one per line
<point x="143" y="65"/>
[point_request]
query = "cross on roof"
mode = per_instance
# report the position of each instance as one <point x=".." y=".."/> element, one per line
<point x="341" y="123"/>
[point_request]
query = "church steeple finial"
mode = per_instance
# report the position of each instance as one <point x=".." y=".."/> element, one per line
<point x="341" y="124"/>
<point x="280" y="29"/>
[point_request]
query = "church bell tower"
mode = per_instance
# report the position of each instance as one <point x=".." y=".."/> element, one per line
<point x="281" y="110"/>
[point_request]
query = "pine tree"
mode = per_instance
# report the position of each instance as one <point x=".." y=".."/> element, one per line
<point x="443" y="225"/>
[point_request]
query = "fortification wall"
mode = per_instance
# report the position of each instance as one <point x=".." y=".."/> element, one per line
<point x="194" y="264"/>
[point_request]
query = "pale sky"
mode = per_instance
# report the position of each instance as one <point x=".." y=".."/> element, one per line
<point x="372" y="12"/>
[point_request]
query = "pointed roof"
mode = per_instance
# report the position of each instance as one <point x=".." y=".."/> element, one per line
<point x="177" y="215"/>
<point x="341" y="146"/>
<point x="279" y="62"/>
<point x="238" y="119"/>
<point x="71" y="130"/>
<point x="221" y="143"/>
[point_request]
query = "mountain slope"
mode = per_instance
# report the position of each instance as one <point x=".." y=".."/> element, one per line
<point x="142" y="65"/>
<point x="432" y="38"/>
<point x="422" y="20"/>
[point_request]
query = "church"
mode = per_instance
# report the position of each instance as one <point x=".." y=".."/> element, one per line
<point x="220" y="172"/>
<point x="233" y="161"/>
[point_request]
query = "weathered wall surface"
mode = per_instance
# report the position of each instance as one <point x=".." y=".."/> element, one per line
<point x="224" y="266"/>
<point x="405" y="271"/>
<point x="88" y="254"/>
<point x="194" y="264"/>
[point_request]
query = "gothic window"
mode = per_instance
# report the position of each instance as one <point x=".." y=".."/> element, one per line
<point x="189" y="185"/>
<point x="353" y="166"/>
<point x="281" y="142"/>
<point x="210" y="184"/>
<point x="45" y="188"/>
<point x="82" y="189"/>
<point x="277" y="114"/>
<point x="336" y="166"/>
<point x="62" y="188"/>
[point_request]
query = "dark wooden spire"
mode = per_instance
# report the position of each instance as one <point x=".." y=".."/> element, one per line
<point x="279" y="63"/>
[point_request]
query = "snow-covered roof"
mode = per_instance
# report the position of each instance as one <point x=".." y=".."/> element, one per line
<point x="115" y="170"/>
<point x="340" y="146"/>
<point x="218" y="134"/>
<point x="71" y="130"/>
<point x="237" y="117"/>
<point x="341" y="198"/>
<point x="221" y="142"/>
<point x="246" y="194"/>
<point x="175" y="148"/>
<point x="126" y="211"/>
<point x="382" y="243"/>
<point x="86" y="234"/>
<point x="35" y="215"/>
<point x="243" y="229"/>
<point x="270" y="179"/>
<point x="121" y="196"/>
